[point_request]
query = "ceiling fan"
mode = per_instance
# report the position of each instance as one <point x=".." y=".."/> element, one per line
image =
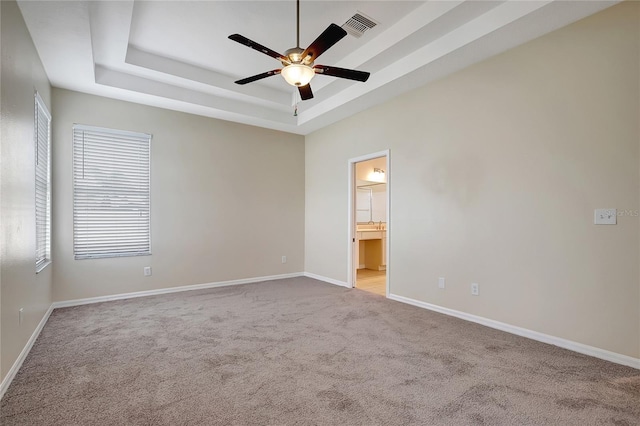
<point x="298" y="64"/>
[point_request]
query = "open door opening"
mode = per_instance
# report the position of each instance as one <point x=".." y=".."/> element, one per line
<point x="369" y="223"/>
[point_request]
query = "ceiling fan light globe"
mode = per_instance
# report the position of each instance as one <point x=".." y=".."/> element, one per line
<point x="297" y="74"/>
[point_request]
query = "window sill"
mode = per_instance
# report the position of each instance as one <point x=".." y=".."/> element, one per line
<point x="40" y="268"/>
<point x="109" y="255"/>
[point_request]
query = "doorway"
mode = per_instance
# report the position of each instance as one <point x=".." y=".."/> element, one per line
<point x="369" y="233"/>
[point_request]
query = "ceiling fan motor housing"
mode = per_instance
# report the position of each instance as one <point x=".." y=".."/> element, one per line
<point x="295" y="57"/>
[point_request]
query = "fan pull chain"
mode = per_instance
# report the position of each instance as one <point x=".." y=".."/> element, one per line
<point x="296" y="100"/>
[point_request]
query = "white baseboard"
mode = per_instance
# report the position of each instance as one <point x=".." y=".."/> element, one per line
<point x="23" y="355"/>
<point x="326" y="279"/>
<point x="534" y="335"/>
<point x="98" y="299"/>
<point x="563" y="343"/>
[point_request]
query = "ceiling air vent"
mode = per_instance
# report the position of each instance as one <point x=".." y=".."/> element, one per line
<point x="358" y="24"/>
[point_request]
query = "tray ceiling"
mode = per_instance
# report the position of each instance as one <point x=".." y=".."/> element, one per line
<point x="176" y="54"/>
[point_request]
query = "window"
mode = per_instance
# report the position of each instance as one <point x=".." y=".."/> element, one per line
<point x="42" y="142"/>
<point x="111" y="193"/>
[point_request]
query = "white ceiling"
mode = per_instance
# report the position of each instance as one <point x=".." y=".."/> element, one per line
<point x="176" y="54"/>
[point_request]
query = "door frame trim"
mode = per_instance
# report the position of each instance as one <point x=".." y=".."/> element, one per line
<point x="352" y="226"/>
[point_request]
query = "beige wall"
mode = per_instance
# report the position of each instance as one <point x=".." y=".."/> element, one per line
<point x="20" y="287"/>
<point x="227" y="200"/>
<point x="495" y="173"/>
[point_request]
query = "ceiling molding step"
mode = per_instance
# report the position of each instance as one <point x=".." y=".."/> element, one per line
<point x="467" y="33"/>
<point x="390" y="37"/>
<point x="121" y="80"/>
<point x="416" y="20"/>
<point x="217" y="81"/>
<point x="60" y="55"/>
<point x="110" y="23"/>
<point x="110" y="33"/>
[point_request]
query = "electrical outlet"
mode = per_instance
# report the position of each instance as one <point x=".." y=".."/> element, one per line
<point x="20" y="315"/>
<point x="441" y="282"/>
<point x="475" y="289"/>
<point x="284" y="259"/>
<point x="147" y="271"/>
<point x="605" y="217"/>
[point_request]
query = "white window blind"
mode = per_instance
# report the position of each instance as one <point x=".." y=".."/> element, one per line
<point x="111" y="193"/>
<point x="42" y="138"/>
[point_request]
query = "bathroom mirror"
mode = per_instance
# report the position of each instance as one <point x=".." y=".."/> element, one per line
<point x="371" y="203"/>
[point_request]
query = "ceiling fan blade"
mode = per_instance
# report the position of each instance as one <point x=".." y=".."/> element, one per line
<point x="258" y="77"/>
<point x="305" y="92"/>
<point x="257" y="46"/>
<point x="342" y="73"/>
<point x="328" y="38"/>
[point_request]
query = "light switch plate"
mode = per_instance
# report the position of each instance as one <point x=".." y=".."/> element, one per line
<point x="441" y="282"/>
<point x="605" y="217"/>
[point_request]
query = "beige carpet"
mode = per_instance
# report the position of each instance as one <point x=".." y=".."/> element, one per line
<point x="302" y="352"/>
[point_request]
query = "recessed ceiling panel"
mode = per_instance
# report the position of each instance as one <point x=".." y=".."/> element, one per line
<point x="197" y="32"/>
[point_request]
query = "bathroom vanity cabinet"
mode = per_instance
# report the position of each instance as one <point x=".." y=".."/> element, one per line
<point x="372" y="249"/>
